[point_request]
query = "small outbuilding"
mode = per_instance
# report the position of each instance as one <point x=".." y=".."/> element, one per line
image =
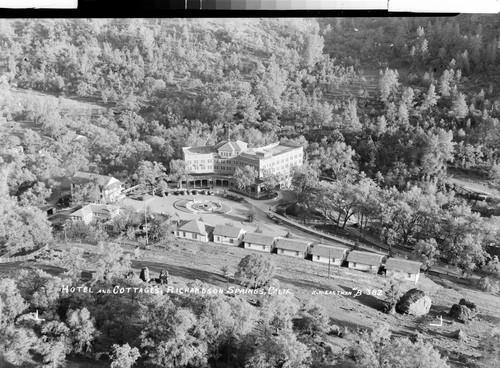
<point x="408" y="270"/>
<point x="365" y="261"/>
<point x="230" y="235"/>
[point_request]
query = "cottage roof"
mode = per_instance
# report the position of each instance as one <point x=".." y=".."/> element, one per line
<point x="260" y="239"/>
<point x="228" y="231"/>
<point x="83" y="212"/>
<point x="104" y="181"/>
<point x="398" y="264"/>
<point x="103" y="208"/>
<point x="197" y="227"/>
<point x="294" y="245"/>
<point x="327" y="251"/>
<point x="368" y="258"/>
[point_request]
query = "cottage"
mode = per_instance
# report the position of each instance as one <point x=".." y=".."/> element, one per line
<point x="195" y="230"/>
<point x="328" y="254"/>
<point x="110" y="189"/>
<point x="293" y="248"/>
<point x="94" y="211"/>
<point x="224" y="234"/>
<point x="83" y="214"/>
<point x="365" y="261"/>
<point x="260" y="242"/>
<point x="409" y="270"/>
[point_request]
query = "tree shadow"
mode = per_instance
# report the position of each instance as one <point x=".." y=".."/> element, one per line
<point x="368" y="300"/>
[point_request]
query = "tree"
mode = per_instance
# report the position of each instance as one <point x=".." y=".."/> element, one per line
<point x="378" y="350"/>
<point x="36" y="195"/>
<point x="178" y="171"/>
<point x="270" y="180"/>
<point x="459" y="107"/>
<point x="393" y="292"/>
<point x="82" y="329"/>
<point x="438" y="149"/>
<point x="337" y="160"/>
<point x="277" y="312"/>
<point x="305" y="180"/>
<point x="250" y="214"/>
<point x="169" y="335"/>
<point x="245" y="177"/>
<point x="111" y="263"/>
<point x="431" y="98"/>
<point x="16" y="343"/>
<point x="255" y="270"/>
<point x="86" y="193"/>
<point x="388" y="85"/>
<point x="124" y="356"/>
<point x="150" y="174"/>
<point x="279" y="351"/>
<point x="429" y="249"/>
<point x="490" y="347"/>
<point x="315" y="319"/>
<point x="23" y="227"/>
<point x="468" y="155"/>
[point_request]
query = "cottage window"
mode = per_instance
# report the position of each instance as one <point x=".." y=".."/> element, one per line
<point x="231" y="241"/>
<point x="193" y="235"/>
<point x="318" y="258"/>
<point x="297" y="253"/>
<point x="264" y="247"/>
<point x="184" y="234"/>
<point x="353" y="264"/>
<point x="282" y="251"/>
<point x="409" y="275"/>
<point x="218" y="238"/>
<point x="333" y="260"/>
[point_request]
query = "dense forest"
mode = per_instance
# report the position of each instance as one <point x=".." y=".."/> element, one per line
<point x="383" y="108"/>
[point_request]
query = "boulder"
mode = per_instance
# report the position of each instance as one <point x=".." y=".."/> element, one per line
<point x="414" y="302"/>
<point x="144" y="276"/>
<point x="460" y="335"/>
<point x="461" y="313"/>
<point x="472" y="306"/>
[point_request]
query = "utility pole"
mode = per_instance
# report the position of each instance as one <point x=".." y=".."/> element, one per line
<point x="329" y="263"/>
<point x="146" y="220"/>
<point x="65" y="236"/>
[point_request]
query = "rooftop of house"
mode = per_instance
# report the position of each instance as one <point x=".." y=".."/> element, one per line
<point x="105" y="181"/>
<point x="368" y="258"/>
<point x="227" y="231"/>
<point x="398" y="264"/>
<point x="328" y="251"/>
<point x="294" y="245"/>
<point x="257" y="238"/>
<point x="197" y="227"/>
<point x="93" y="208"/>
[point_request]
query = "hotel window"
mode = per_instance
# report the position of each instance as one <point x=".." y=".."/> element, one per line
<point x="195" y="161"/>
<point x="223" y="168"/>
<point x="216" y="167"/>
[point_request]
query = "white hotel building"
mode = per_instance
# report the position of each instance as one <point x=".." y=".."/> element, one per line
<point x="215" y="165"/>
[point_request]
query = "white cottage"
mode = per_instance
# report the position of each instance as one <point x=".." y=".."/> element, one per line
<point x="231" y="235"/>
<point x="408" y="270"/>
<point x="194" y="230"/>
<point x="328" y="254"/>
<point x="260" y="242"/>
<point x="365" y="261"/>
<point x="292" y="248"/>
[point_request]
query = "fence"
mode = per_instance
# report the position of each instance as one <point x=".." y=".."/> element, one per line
<point x="25" y="257"/>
